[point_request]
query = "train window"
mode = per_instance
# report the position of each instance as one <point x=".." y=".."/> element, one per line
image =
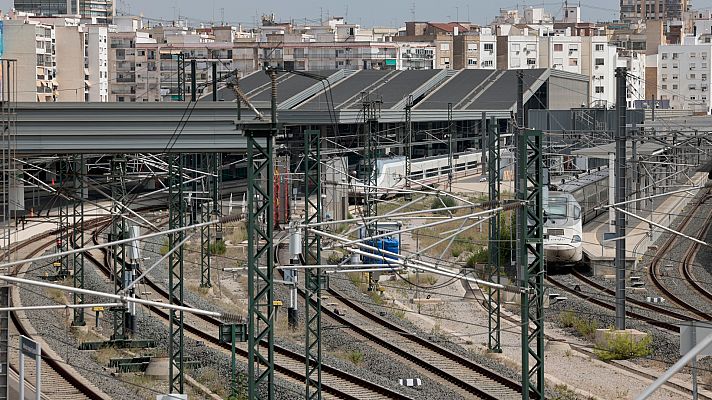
<point x="577" y="212"/>
<point x="556" y="207"/>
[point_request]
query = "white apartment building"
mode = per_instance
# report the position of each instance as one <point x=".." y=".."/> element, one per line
<point x="97" y="63"/>
<point x="518" y="52"/>
<point x="636" y="63"/>
<point x="684" y="73"/>
<point x="32" y="44"/>
<point x="599" y="62"/>
<point x="561" y="52"/>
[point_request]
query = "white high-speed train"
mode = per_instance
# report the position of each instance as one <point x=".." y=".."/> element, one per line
<point x="429" y="170"/>
<point x="563" y="229"/>
<point x="572" y="204"/>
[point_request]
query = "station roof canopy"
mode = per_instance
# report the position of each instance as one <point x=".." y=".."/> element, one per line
<point x="332" y="96"/>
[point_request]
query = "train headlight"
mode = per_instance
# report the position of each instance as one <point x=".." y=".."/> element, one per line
<point x="576" y="239"/>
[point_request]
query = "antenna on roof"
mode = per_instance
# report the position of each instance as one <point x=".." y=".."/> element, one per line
<point x="412" y="11"/>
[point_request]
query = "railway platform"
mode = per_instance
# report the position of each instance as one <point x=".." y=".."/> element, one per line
<point x="37" y="225"/>
<point x="600" y="254"/>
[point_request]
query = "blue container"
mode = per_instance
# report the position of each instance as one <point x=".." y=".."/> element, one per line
<point x="386" y="244"/>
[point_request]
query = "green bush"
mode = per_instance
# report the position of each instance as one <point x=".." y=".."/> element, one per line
<point x="218" y="248"/>
<point x="164" y="248"/>
<point x="356" y="357"/>
<point x="442" y="202"/>
<point x="479" y="256"/>
<point x="624" y="347"/>
<point x="585" y="328"/>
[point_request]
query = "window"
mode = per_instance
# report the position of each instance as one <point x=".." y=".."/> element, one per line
<point x="664" y="77"/>
<point x="704" y="77"/>
<point x="599" y="89"/>
<point x="703" y="55"/>
<point x="471" y="61"/>
<point x="558" y="47"/>
<point x="675" y="56"/>
<point x="675" y="65"/>
<point x="558" y="61"/>
<point x="599" y="47"/>
<point x="675" y="87"/>
<point x="692" y="86"/>
<point x="600" y="61"/>
<point x="692" y="66"/>
<point x="444" y="46"/>
<point x="664" y="87"/>
<point x="531" y="47"/>
<point x="515" y="63"/>
<point x="675" y="77"/>
<point x="693" y="76"/>
<point x="489" y="47"/>
<point x="472" y="47"/>
<point x="487" y="64"/>
<point x="664" y="56"/>
<point x="531" y="61"/>
<point x="663" y="65"/>
<point x="573" y="62"/>
<point x="693" y="55"/>
<point x="515" y="46"/>
<point x="704" y="65"/>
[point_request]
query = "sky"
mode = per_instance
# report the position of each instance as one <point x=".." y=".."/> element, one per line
<point x="365" y="12"/>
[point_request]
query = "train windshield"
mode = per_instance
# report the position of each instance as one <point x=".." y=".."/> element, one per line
<point x="556" y="207"/>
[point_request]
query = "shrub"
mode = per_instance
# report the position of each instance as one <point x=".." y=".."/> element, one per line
<point x="585" y="328"/>
<point x="218" y="248"/>
<point x="442" y="202"/>
<point x="164" y="248"/>
<point x="355" y="356"/>
<point x="480" y="256"/>
<point x="624" y="347"/>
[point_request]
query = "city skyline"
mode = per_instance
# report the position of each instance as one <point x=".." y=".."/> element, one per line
<point x="311" y="11"/>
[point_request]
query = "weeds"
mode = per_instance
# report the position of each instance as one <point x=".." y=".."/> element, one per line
<point x="583" y="327"/>
<point x="218" y="248"/>
<point x="355" y="356"/>
<point x="624" y="347"/>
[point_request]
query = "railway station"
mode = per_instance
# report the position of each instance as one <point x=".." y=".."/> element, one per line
<point x="356" y="233"/>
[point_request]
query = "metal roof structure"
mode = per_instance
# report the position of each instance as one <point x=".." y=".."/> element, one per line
<point x="339" y="97"/>
<point x="105" y="128"/>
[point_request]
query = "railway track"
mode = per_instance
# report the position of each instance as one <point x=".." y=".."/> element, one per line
<point x="336" y="384"/>
<point x="59" y="380"/>
<point x="589" y="353"/>
<point x="654" y="269"/>
<point x="462" y="372"/>
<point x="609" y="306"/>
<point x="689" y="260"/>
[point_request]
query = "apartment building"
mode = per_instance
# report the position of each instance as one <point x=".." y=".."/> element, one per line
<point x="32" y="44"/>
<point x="642" y="10"/>
<point x="82" y="59"/>
<point x="519" y="50"/>
<point x="475" y="51"/>
<point x="101" y="11"/>
<point x="684" y="72"/>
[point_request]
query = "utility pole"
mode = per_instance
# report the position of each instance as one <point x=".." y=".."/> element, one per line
<point x="314" y="280"/>
<point x="408" y="141"/>
<point x="176" y="219"/>
<point x="451" y="131"/>
<point x="530" y="248"/>
<point x="491" y="133"/>
<point x="78" y="236"/>
<point x="370" y="209"/>
<point x="260" y="252"/>
<point x="621" y="109"/>
<point x="118" y="231"/>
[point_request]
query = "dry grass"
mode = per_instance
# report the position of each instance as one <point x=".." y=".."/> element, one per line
<point x="103" y="356"/>
<point x="210" y="378"/>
